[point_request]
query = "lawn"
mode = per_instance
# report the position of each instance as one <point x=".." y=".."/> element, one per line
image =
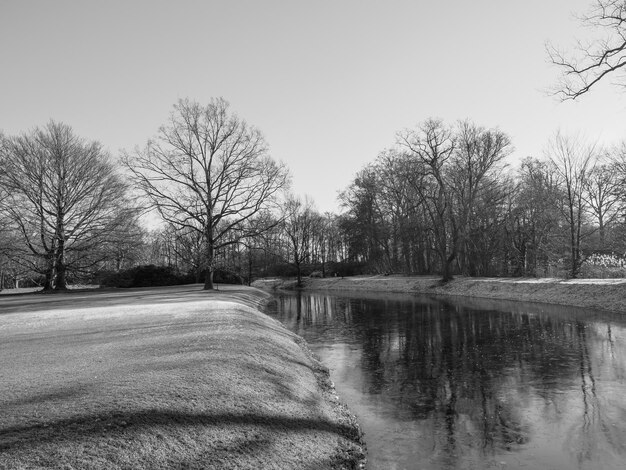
<point x="594" y="294"/>
<point x="162" y="378"/>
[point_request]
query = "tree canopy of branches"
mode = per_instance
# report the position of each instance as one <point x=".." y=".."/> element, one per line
<point x="443" y="201"/>
<point x="298" y="225"/>
<point x="467" y="213"/>
<point x="207" y="170"/>
<point x="592" y="61"/>
<point x="573" y="161"/>
<point x="364" y="220"/>
<point x="533" y="217"/>
<point x="453" y="169"/>
<point x="604" y="196"/>
<point x="64" y="198"/>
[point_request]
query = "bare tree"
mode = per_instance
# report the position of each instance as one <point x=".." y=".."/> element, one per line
<point x="64" y="197"/>
<point x="324" y="235"/>
<point x="618" y="162"/>
<point x="592" y="61"/>
<point x="299" y="224"/>
<point x="534" y="216"/>
<point x="364" y="222"/>
<point x="267" y="225"/>
<point x="573" y="160"/>
<point x="603" y="193"/>
<point x="453" y="168"/>
<point x="401" y="206"/>
<point x="209" y="171"/>
<point x="4" y="225"/>
<point x="432" y="145"/>
<point x="189" y="249"/>
<point x="126" y="245"/>
<point x="473" y="173"/>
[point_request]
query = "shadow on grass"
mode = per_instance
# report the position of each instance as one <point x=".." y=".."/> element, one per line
<point x="141" y="296"/>
<point x="61" y="394"/>
<point x="80" y="428"/>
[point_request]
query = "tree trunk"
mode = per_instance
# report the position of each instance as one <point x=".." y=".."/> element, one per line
<point x="60" y="282"/>
<point x="49" y="274"/>
<point x="299" y="284"/>
<point x="602" y="231"/>
<point x="249" y="266"/>
<point x="47" y="284"/>
<point x="447" y="267"/>
<point x="210" y="259"/>
<point x="208" y="280"/>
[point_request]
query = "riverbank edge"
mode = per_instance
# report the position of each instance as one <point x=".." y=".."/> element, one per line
<point x="353" y="455"/>
<point x="597" y="294"/>
<point x="350" y="448"/>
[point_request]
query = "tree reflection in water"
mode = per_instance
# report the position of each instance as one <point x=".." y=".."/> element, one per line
<point x="482" y="383"/>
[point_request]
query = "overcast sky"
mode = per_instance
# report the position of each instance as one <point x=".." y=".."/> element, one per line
<point x="329" y="83"/>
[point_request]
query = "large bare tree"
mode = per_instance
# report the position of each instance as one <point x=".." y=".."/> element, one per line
<point x="474" y="174"/>
<point x="593" y="60"/>
<point x="432" y="146"/>
<point x="604" y="196"/>
<point x="574" y="161"/>
<point x="298" y="226"/>
<point x="454" y="168"/>
<point x="209" y="171"/>
<point x="64" y="197"/>
<point x="534" y="216"/>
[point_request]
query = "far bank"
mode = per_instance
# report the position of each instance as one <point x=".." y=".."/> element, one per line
<point x="601" y="294"/>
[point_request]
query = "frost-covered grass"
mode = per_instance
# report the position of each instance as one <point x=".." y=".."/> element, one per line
<point x="32" y="290"/>
<point x="162" y="378"/>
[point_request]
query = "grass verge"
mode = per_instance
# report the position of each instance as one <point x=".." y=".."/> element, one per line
<point x="164" y="378"/>
<point x="597" y="294"/>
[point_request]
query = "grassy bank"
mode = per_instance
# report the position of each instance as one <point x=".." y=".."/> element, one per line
<point x="602" y="294"/>
<point x="163" y="378"/>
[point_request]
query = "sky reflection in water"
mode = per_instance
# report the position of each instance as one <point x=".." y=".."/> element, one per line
<point x="446" y="384"/>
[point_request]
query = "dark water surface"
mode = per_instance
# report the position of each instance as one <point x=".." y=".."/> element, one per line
<point x="467" y="384"/>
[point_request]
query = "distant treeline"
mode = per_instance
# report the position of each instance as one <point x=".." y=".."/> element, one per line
<point x="444" y="199"/>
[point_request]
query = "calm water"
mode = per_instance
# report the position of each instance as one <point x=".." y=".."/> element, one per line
<point x="446" y="384"/>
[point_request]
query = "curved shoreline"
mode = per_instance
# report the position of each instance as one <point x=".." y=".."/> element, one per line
<point x="597" y="294"/>
<point x="162" y="378"/>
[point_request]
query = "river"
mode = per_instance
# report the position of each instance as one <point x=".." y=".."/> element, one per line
<point x="452" y="383"/>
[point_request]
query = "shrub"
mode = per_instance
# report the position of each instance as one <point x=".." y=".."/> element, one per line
<point x="281" y="270"/>
<point x="347" y="268"/>
<point x="223" y="276"/>
<point x="604" y="265"/>
<point x="144" y="276"/>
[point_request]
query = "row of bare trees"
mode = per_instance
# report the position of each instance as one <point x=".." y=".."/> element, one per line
<point x="66" y="206"/>
<point x="209" y="172"/>
<point x="443" y="200"/>
<point x="439" y="201"/>
<point x="63" y="204"/>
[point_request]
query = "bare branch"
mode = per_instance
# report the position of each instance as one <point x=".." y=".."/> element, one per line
<point x="209" y="171"/>
<point x="591" y="63"/>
